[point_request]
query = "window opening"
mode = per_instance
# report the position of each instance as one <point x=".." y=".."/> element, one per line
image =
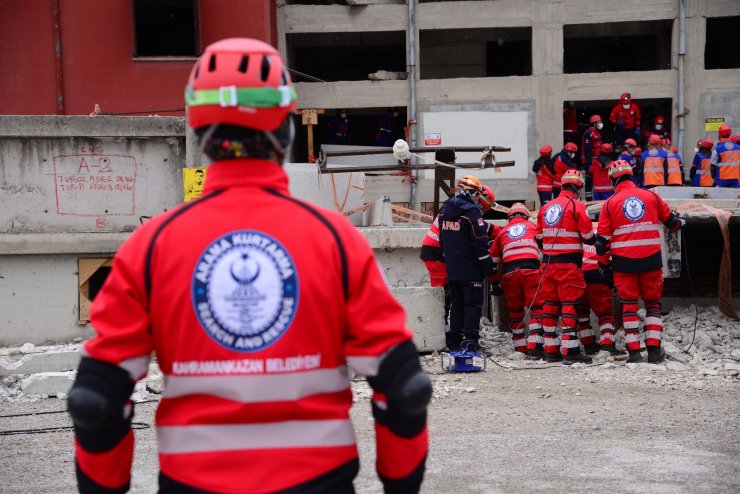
<point x="723" y="38"/>
<point x="165" y="28"/>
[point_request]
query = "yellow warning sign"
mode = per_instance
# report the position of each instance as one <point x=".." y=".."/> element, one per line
<point x="192" y="181"/>
<point x="712" y="124"/>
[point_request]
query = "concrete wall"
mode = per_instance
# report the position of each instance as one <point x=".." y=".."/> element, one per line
<point x="709" y="93"/>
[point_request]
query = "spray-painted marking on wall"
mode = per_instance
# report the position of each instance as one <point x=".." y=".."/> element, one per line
<point x="95" y="183"/>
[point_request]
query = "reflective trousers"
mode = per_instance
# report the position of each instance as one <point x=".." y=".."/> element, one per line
<point x="563" y="287"/>
<point x="598" y="298"/>
<point x="519" y="288"/>
<point x="647" y="286"/>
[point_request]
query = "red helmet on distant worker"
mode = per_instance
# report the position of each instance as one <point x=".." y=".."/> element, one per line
<point x="594" y="118"/>
<point x="619" y="168"/>
<point x="706" y="143"/>
<point x="517" y="209"/>
<point x="241" y="82"/>
<point x="486" y="199"/>
<point x="573" y="177"/>
<point x="626" y="98"/>
<point x="735" y="139"/>
<point x="546" y="150"/>
<point x="571" y="147"/>
<point x="674" y="149"/>
<point x="637" y="152"/>
<point x="607" y="147"/>
<point x="654" y="140"/>
<point x="659" y="119"/>
<point x="630" y="142"/>
<point x="724" y="130"/>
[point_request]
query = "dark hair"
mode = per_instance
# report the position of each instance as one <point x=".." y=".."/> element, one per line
<point x="234" y="142"/>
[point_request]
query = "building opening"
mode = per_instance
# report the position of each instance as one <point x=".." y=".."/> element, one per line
<point x="576" y="115"/>
<point x="493" y="52"/>
<point x="359" y="127"/>
<point x="723" y="38"/>
<point x="346" y="56"/>
<point x="617" y="46"/>
<point x="165" y="28"/>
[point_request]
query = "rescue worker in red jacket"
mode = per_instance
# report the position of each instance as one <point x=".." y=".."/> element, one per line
<point x="517" y="251"/>
<point x="590" y="150"/>
<point x="726" y="159"/>
<point x="253" y="320"/>
<point x="629" y="228"/>
<point x="433" y="257"/>
<point x="675" y="176"/>
<point x="465" y="241"/>
<point x="597" y="273"/>
<point x="599" y="171"/>
<point x="638" y="168"/>
<point x="626" y="119"/>
<point x="657" y="128"/>
<point x="562" y="228"/>
<point x="544" y="169"/>
<point x="701" y="172"/>
<point x="654" y="164"/>
<point x="564" y="161"/>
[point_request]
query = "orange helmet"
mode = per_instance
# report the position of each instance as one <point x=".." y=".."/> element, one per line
<point x="471" y="183"/>
<point x="517" y="208"/>
<point x="240" y="81"/>
<point x="487" y="199"/>
<point x="724" y="130"/>
<point x="573" y="177"/>
<point x="619" y="168"/>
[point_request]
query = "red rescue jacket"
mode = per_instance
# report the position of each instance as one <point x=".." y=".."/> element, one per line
<point x="562" y="226"/>
<point x="600" y="174"/>
<point x="516" y="246"/>
<point x="631" y="220"/>
<point x="630" y="116"/>
<point x="257" y="403"/>
<point x="432" y="255"/>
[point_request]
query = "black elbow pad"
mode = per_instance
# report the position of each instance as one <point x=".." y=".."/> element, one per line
<point x="601" y="244"/>
<point x="97" y="404"/>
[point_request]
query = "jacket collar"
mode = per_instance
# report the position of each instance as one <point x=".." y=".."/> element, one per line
<point x="246" y="173"/>
<point x="625" y="184"/>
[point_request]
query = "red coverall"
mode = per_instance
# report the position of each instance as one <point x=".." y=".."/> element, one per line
<point x="431" y="254"/>
<point x="599" y="170"/>
<point x="562" y="226"/>
<point x="516" y="248"/>
<point x="255" y="363"/>
<point x="631" y="220"/>
<point x="597" y="297"/>
<point x="630" y="116"/>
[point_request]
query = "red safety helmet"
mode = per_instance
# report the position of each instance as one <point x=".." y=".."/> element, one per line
<point x="594" y="118"/>
<point x="546" y="150"/>
<point x="630" y="142"/>
<point x="240" y="81"/>
<point x="735" y="139"/>
<point x="619" y="168"/>
<point x="607" y="147"/>
<point x="571" y="147"/>
<point x="518" y="208"/>
<point x="654" y="140"/>
<point x="573" y="177"/>
<point x="706" y="143"/>
<point x="724" y="130"/>
<point x="626" y="98"/>
<point x="674" y="149"/>
<point x="487" y="200"/>
<point x="637" y="152"/>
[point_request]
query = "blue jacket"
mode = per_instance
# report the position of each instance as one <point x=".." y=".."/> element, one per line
<point x="464" y="240"/>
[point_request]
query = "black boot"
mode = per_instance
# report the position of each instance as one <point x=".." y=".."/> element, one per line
<point x="635" y="357"/>
<point x="655" y="354"/>
<point x="571" y="359"/>
<point x="612" y="350"/>
<point x="591" y="349"/>
<point x="535" y="354"/>
<point x="553" y="357"/>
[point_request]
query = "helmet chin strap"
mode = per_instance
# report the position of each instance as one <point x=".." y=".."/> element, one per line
<point x="279" y="148"/>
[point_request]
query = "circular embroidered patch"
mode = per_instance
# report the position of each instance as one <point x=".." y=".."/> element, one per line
<point x="633" y="208"/>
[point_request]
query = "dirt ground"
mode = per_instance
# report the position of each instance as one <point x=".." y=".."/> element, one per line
<point x="611" y="428"/>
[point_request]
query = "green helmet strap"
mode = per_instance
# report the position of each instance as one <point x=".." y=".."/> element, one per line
<point x="263" y="97"/>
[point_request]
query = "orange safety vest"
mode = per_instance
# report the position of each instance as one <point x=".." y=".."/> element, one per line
<point x="675" y="174"/>
<point x="654" y="167"/>
<point x="728" y="162"/>
<point x="705" y="173"/>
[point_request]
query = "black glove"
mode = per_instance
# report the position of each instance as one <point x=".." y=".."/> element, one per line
<point x="488" y="270"/>
<point x="606" y="271"/>
<point x="496" y="289"/>
<point x="692" y="172"/>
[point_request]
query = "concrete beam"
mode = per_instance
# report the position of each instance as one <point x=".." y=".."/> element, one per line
<point x="48" y="126"/>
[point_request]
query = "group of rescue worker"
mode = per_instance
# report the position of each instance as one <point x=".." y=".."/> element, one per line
<point x="714" y="165"/>
<point x="556" y="269"/>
